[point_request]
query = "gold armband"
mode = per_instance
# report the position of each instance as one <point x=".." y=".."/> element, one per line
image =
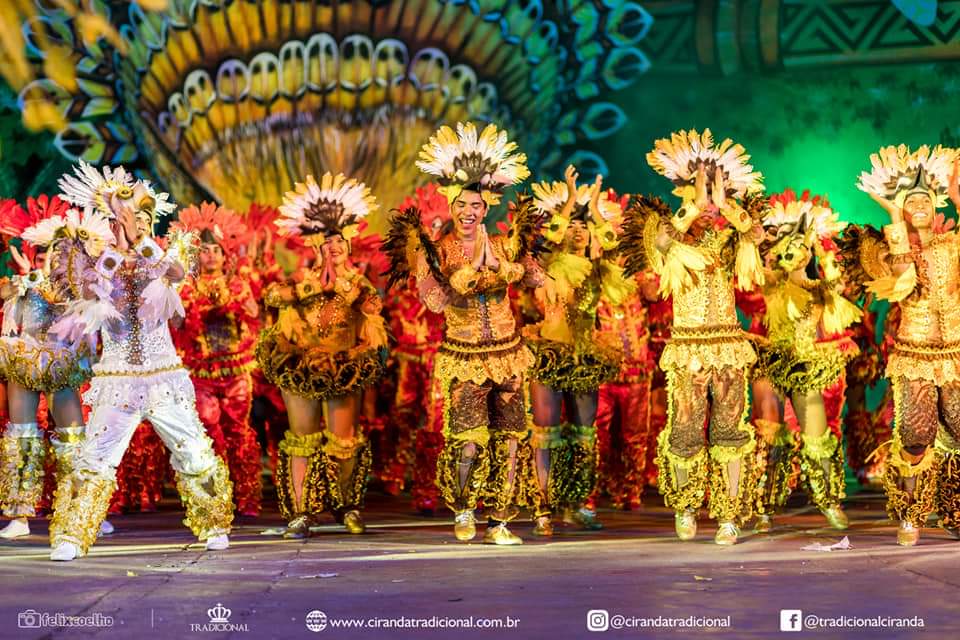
<point x="739" y="218"/>
<point x="897" y="238"/>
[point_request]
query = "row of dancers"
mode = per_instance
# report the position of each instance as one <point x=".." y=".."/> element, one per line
<point x="588" y="344"/>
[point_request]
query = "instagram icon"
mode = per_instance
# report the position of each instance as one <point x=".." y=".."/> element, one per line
<point x="598" y="620"/>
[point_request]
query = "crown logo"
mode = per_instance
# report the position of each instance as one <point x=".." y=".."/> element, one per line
<point x="219" y="613"/>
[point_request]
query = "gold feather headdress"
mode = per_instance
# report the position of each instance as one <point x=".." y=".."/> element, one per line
<point x="550" y="197"/>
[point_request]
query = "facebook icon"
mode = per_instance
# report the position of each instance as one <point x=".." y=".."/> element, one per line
<point x="791" y="620"/>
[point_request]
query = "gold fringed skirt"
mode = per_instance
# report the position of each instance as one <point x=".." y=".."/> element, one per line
<point x="799" y="371"/>
<point x="315" y="374"/>
<point x="561" y="367"/>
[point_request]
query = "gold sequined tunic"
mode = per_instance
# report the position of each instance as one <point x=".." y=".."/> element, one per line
<point x="481" y="339"/>
<point x="706" y="332"/>
<point x="927" y="344"/>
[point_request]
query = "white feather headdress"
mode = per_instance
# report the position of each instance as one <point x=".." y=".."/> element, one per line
<point x="897" y="172"/>
<point x="334" y="206"/>
<point x="677" y="158"/>
<point x="461" y="158"/>
<point x="90" y="188"/>
<point x="92" y="229"/>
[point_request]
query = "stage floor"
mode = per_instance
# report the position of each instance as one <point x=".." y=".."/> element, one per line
<point x="150" y="579"/>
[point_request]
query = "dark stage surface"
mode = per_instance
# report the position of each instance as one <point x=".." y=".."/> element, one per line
<point x="150" y="580"/>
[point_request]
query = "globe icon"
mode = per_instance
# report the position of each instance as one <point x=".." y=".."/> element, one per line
<point x="316" y="620"/>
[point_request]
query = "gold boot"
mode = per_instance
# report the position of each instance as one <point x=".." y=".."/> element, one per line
<point x="299" y="527"/>
<point x="727" y="534"/>
<point x="907" y="535"/>
<point x="685" y="522"/>
<point x="836" y="517"/>
<point x="465" y="525"/>
<point x="821" y="463"/>
<point x="543" y="527"/>
<point x="79" y="521"/>
<point x="297" y="506"/>
<point x="500" y="535"/>
<point x="21" y="469"/>
<point x="764" y="524"/>
<point x="208" y="498"/>
<point x="354" y="522"/>
<point x="583" y="518"/>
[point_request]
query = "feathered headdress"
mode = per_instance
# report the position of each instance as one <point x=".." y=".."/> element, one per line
<point x="813" y="216"/>
<point x="677" y="159"/>
<point x="227" y="227"/>
<point x="334" y="206"/>
<point x="550" y="198"/>
<point x="91" y="229"/>
<point x="91" y="189"/>
<point x="461" y="158"/>
<point x="896" y="172"/>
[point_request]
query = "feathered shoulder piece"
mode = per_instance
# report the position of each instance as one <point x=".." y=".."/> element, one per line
<point x="333" y="206"/>
<point x="642" y="220"/>
<point x="462" y="158"/>
<point x="227" y="227"/>
<point x="864" y="252"/>
<point x="406" y="240"/>
<point x="897" y="172"/>
<point x="678" y="157"/>
<point x="524" y="233"/>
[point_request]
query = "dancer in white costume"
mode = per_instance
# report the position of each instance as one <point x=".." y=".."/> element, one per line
<point x="125" y="293"/>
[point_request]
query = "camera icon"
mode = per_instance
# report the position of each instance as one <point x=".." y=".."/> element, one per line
<point x="29" y="619"/>
<point x="598" y="620"/>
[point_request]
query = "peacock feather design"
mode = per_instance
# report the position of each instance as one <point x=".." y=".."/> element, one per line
<point x="234" y="100"/>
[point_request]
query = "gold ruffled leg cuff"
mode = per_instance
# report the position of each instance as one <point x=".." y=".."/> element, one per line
<point x="548" y="439"/>
<point x="582" y="461"/>
<point x="775" y="454"/>
<point x="821" y="468"/>
<point x="948" y="482"/>
<point x="457" y="495"/>
<point x="348" y="462"/>
<point x="65" y="443"/>
<point x="208" y="498"/>
<point x="21" y="469"/>
<point x="309" y="447"/>
<point x="513" y="481"/>
<point x="738" y="507"/>
<point x="80" y="514"/>
<point x="913" y="505"/>
<point x="682" y="481"/>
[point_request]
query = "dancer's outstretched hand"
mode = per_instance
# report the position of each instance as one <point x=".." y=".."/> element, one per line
<point x="953" y="188"/>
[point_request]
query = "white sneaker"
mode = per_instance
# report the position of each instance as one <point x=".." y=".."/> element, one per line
<point x="64" y="552"/>
<point x="218" y="543"/>
<point x="15" y="529"/>
<point x="105" y="528"/>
